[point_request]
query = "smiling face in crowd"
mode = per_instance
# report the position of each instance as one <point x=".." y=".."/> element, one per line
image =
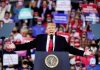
<point x="51" y="28"/>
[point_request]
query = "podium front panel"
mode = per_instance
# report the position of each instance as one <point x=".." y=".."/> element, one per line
<point x="63" y="64"/>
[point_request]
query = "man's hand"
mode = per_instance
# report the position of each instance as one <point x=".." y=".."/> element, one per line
<point x="87" y="53"/>
<point x="9" y="47"/>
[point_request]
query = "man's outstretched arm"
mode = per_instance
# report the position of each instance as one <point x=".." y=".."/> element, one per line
<point x="25" y="46"/>
<point x="76" y="51"/>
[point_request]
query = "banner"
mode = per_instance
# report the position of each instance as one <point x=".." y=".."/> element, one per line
<point x="66" y="35"/>
<point x="89" y="8"/>
<point x="25" y="13"/>
<point x="63" y="5"/>
<point x="10" y="59"/>
<point x="92" y="17"/>
<point x="60" y="18"/>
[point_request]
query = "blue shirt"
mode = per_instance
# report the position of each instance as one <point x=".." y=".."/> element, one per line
<point x="38" y="29"/>
<point x="97" y="67"/>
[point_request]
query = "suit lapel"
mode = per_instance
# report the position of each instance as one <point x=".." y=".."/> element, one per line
<point x="55" y="42"/>
<point x="45" y="41"/>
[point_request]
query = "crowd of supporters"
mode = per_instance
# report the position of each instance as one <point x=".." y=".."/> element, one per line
<point x="75" y="32"/>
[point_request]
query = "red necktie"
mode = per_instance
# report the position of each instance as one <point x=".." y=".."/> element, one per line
<point x="50" y="45"/>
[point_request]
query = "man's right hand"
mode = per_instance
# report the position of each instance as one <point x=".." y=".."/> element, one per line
<point x="9" y="47"/>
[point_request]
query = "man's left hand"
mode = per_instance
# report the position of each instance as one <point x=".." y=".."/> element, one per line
<point x="87" y="53"/>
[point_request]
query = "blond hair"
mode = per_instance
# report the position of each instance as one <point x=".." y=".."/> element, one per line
<point x="51" y="24"/>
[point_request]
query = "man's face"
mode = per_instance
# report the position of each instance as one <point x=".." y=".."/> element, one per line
<point x="51" y="29"/>
<point x="7" y="16"/>
<point x="3" y="4"/>
<point x="44" y="4"/>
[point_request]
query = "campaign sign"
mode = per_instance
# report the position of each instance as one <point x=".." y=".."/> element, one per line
<point x="96" y="30"/>
<point x="92" y="17"/>
<point x="87" y="8"/>
<point x="66" y="35"/>
<point x="90" y="35"/>
<point x="63" y="5"/>
<point x="10" y="59"/>
<point x="60" y="18"/>
<point x="25" y="13"/>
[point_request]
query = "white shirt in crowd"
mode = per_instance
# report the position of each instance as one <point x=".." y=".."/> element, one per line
<point x="3" y="10"/>
<point x="18" y="37"/>
<point x="7" y="20"/>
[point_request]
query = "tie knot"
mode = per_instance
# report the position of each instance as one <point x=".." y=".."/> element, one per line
<point x="51" y="36"/>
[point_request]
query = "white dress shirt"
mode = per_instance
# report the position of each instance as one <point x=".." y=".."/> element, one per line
<point x="38" y="3"/>
<point x="47" y="44"/>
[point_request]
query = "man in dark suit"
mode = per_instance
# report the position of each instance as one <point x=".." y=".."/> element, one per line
<point x="41" y="43"/>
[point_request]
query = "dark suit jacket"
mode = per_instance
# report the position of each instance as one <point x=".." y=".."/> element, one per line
<point x="47" y="11"/>
<point x="40" y="44"/>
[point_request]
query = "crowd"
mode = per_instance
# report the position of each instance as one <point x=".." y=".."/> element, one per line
<point x="76" y="31"/>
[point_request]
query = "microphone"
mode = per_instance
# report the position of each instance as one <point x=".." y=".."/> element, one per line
<point x="51" y="36"/>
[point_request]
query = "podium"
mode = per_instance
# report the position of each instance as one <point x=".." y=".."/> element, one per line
<point x="40" y="57"/>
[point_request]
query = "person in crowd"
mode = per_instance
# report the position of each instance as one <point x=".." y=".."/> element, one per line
<point x="3" y="9"/>
<point x="24" y="24"/>
<point x="72" y="67"/>
<point x="32" y="5"/>
<point x="29" y="33"/>
<point x="36" y="16"/>
<point x="41" y="42"/>
<point x="7" y="18"/>
<point x="92" y="64"/>
<point x="78" y="64"/>
<point x="75" y="38"/>
<point x="8" y="5"/>
<point x="48" y="19"/>
<point x="76" y="24"/>
<point x="83" y="67"/>
<point x="17" y="36"/>
<point x="16" y="9"/>
<point x="94" y="48"/>
<point x="84" y="42"/>
<point x="88" y="26"/>
<point x="25" y="64"/>
<point x="24" y="32"/>
<point x="44" y="10"/>
<point x="38" y="28"/>
<point x="61" y="28"/>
